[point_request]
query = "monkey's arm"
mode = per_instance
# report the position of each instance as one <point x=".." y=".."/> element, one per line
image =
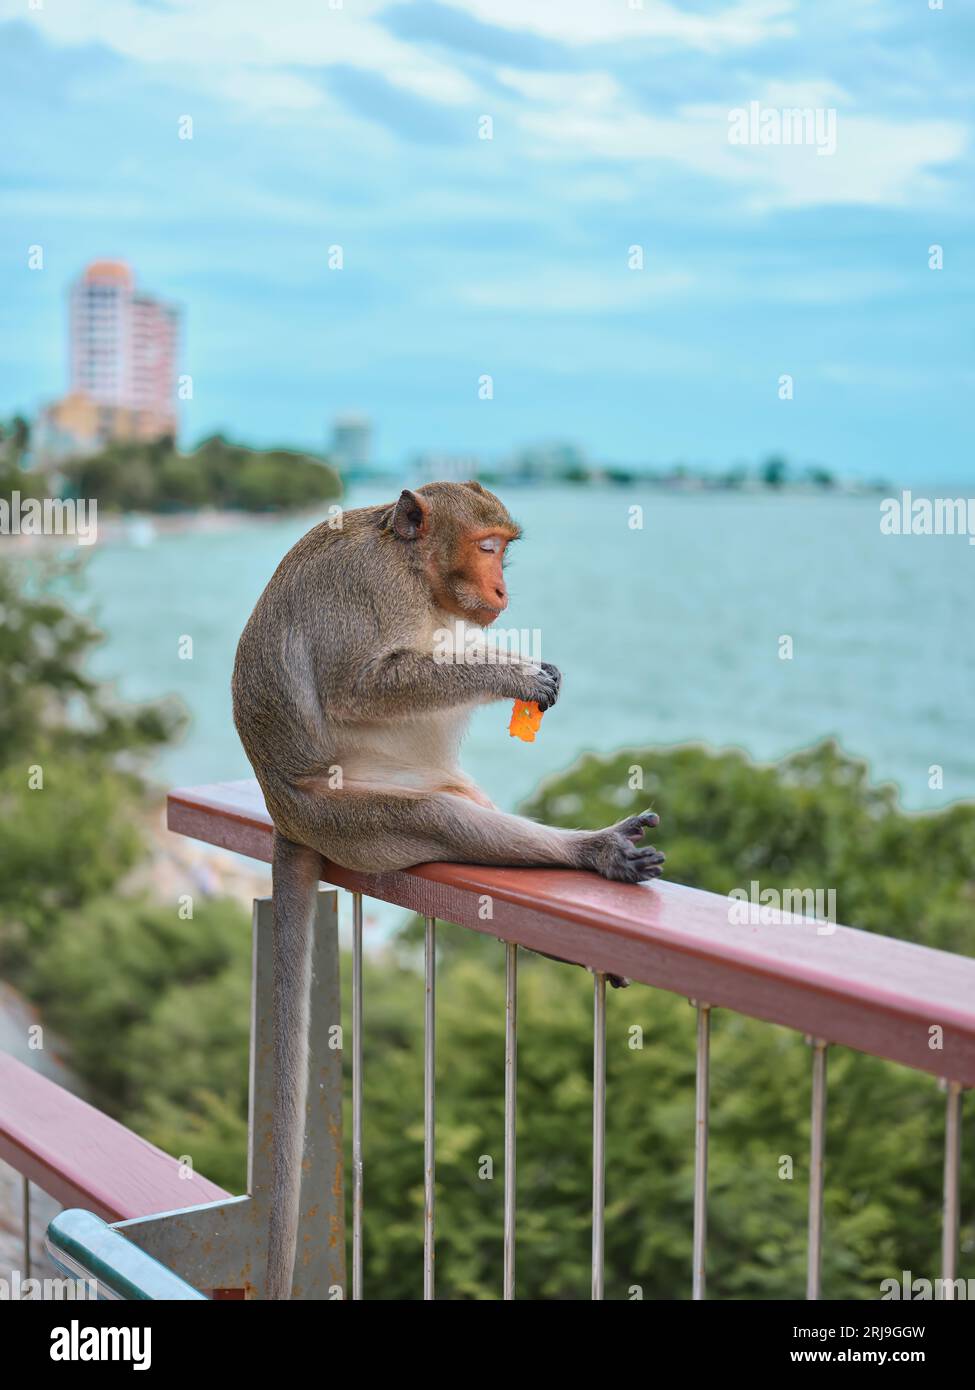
<point x="399" y="681"/>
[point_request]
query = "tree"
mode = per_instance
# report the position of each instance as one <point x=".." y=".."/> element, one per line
<point x="67" y="803"/>
<point x="820" y="477"/>
<point x="14" y="445"/>
<point x="154" y="476"/>
<point x="773" y="472"/>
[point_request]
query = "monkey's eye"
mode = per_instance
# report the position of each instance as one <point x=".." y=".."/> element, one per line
<point x="491" y="544"/>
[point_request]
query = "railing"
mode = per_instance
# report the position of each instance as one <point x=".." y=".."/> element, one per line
<point x="872" y="993"/>
<point x="856" y="989"/>
<point x="85" y="1159"/>
<point x="86" y="1248"/>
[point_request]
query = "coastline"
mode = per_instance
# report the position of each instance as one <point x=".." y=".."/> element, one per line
<point x="142" y="528"/>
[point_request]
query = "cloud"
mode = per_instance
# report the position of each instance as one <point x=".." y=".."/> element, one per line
<point x="224" y="37"/>
<point x="227" y="42"/>
<point x="579" y="22"/>
<point x="441" y="23"/>
<point x="385" y="63"/>
<point x="877" y="161"/>
<point x="590" y="89"/>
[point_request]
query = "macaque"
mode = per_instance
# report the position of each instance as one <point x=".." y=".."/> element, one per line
<point x="352" y="718"/>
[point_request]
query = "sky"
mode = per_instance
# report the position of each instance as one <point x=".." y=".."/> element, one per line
<point x="360" y="124"/>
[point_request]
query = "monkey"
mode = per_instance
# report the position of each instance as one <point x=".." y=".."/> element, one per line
<point x="351" y="704"/>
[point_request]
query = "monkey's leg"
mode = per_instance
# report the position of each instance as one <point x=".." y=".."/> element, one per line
<point x="376" y="831"/>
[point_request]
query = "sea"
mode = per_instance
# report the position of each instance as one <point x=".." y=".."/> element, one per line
<point x="758" y="621"/>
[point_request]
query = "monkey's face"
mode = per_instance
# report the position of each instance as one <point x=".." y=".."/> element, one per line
<point x="462" y="532"/>
<point x="475" y="587"/>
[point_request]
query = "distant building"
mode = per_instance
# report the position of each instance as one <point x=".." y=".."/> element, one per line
<point x="77" y="425"/>
<point x="123" y="358"/>
<point x="543" y="462"/>
<point x="351" y="446"/>
<point x="450" y="468"/>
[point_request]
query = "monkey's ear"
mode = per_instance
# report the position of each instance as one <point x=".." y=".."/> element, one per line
<point x="475" y="485"/>
<point x="410" y="515"/>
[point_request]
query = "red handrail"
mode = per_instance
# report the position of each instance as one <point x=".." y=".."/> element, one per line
<point x="879" y="995"/>
<point x="84" y="1158"/>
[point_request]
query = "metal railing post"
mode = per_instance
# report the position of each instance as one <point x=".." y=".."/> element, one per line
<point x="357" y="1188"/>
<point x="598" y="1131"/>
<point x="510" y="1112"/>
<point x="952" y="1179"/>
<point x="429" y="1100"/>
<point x="26" y="1225"/>
<point x="817" y="1151"/>
<point x="701" y="1122"/>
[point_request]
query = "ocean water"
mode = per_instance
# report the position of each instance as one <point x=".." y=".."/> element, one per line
<point x="664" y="634"/>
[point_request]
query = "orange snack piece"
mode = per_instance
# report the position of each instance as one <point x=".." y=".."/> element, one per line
<point x="526" y="720"/>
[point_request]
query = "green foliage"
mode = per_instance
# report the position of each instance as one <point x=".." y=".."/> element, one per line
<point x="14" y="443"/>
<point x="156" y="477"/>
<point x="883" y="1186"/>
<point x="153" y="1008"/>
<point x="773" y="472"/>
<point x="67" y="798"/>
<point x="59" y="845"/>
<point x="156" y="1009"/>
<point x="47" y="700"/>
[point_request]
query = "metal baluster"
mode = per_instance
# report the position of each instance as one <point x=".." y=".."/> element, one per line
<point x="357" y="1192"/>
<point x="26" y="1226"/>
<point x="598" y="1131"/>
<point x="950" y="1210"/>
<point x="817" y="1149"/>
<point x="510" y="1111"/>
<point x="429" y="1040"/>
<point x="702" y="1097"/>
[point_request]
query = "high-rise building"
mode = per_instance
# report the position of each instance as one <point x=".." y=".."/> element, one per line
<point x="351" y="445"/>
<point x="153" y="357"/>
<point x="123" y="360"/>
<point x="123" y="344"/>
<point x="100" y="332"/>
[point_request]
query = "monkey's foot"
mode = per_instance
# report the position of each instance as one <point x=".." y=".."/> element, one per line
<point x="615" y="853"/>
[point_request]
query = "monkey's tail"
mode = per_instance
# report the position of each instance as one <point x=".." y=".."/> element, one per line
<point x="296" y="871"/>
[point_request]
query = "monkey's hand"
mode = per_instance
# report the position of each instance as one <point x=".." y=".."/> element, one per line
<point x="539" y="683"/>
